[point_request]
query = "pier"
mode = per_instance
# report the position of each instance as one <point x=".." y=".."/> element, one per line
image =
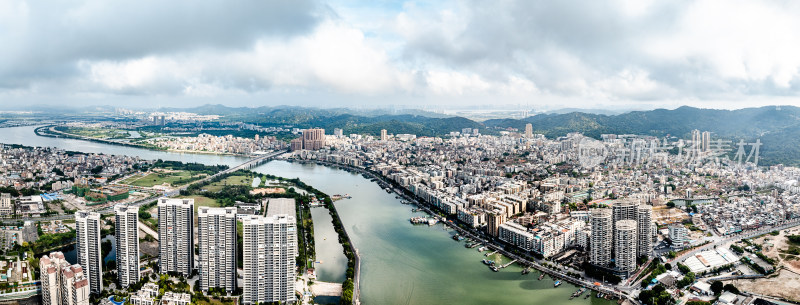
<point x="509" y="264"/>
<point x="490" y="253"/>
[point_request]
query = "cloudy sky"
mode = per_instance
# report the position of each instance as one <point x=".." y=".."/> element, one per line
<point x="536" y="54"/>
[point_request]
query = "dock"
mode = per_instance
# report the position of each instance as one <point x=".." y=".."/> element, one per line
<point x="490" y="253"/>
<point x="509" y="264"/>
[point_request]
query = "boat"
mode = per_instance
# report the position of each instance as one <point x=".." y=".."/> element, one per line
<point x="455" y="237"/>
<point x="432" y="221"/>
<point x="526" y="270"/>
<point x="481" y="249"/>
<point x="494" y="268"/>
<point x="577" y="293"/>
<point x="488" y="262"/>
<point x="541" y="276"/>
<point x="600" y="295"/>
<point x="418" y="220"/>
<point x="588" y="295"/>
<point x="557" y="283"/>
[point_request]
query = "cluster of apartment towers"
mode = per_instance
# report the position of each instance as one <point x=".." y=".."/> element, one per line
<point x="269" y="247"/>
<point x="620" y="235"/>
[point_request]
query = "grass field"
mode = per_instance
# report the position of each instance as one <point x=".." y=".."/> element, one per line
<point x="232" y="180"/>
<point x="173" y="178"/>
<point x="202" y="201"/>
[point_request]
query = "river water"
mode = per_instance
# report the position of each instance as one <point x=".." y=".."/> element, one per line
<point x="401" y="263"/>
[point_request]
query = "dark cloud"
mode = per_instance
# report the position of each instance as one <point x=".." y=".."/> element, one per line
<point x="46" y="39"/>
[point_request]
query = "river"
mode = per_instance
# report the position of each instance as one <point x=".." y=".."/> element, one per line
<point x="401" y="263"/>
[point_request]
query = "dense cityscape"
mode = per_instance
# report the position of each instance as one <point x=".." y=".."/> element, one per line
<point x="624" y="217"/>
<point x="399" y="152"/>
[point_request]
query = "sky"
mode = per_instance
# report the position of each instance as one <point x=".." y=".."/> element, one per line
<point x="541" y="55"/>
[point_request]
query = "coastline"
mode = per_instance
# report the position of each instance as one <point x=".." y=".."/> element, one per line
<point x="48" y="132"/>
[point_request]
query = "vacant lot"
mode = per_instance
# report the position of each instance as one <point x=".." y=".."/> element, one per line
<point x="232" y="180"/>
<point x="174" y="178"/>
<point x="779" y="248"/>
<point x="785" y="285"/>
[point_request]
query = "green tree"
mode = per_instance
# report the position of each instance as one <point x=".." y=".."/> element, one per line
<point x="717" y="287"/>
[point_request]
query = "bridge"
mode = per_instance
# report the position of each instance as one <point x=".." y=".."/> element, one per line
<point x="250" y="164"/>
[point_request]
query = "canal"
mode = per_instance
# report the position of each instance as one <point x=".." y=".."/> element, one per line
<point x="401" y="263"/>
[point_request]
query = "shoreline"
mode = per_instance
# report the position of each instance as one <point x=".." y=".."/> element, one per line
<point x="384" y="183"/>
<point x="60" y="134"/>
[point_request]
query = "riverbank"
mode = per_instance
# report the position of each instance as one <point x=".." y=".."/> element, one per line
<point x="48" y="130"/>
<point x="399" y="263"/>
<point x="385" y="183"/>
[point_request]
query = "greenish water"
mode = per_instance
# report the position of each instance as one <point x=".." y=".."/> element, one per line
<point x="331" y="264"/>
<point x="406" y="264"/>
<point x="401" y="263"/>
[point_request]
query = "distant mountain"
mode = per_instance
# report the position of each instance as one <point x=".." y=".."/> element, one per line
<point x="225" y="110"/>
<point x="585" y="110"/>
<point x="777" y="127"/>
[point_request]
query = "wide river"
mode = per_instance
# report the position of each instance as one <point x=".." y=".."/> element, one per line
<point x="401" y="263"/>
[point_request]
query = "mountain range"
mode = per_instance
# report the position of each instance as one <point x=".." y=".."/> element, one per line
<point x="778" y="127"/>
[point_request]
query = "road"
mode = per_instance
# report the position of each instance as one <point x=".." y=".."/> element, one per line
<point x="110" y="210"/>
<point x="247" y="165"/>
<point x="738" y="236"/>
<point x="147" y="230"/>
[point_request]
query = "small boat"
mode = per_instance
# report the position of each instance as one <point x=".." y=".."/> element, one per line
<point x="577" y="293"/>
<point x="526" y="270"/>
<point x="488" y="262"/>
<point x="494" y="268"/>
<point x="541" y="276"/>
<point x="588" y="295"/>
<point x="557" y="283"/>
<point x="600" y="295"/>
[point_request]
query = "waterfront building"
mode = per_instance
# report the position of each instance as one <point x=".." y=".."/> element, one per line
<point x="517" y="235"/>
<point x="493" y="221"/>
<point x="62" y="283"/>
<point x="601" y="238"/>
<point x="88" y="229"/>
<point x="644" y="220"/>
<point x="270" y="246"/>
<point x="216" y="232"/>
<point x="625" y="244"/>
<point x="312" y="139"/>
<point x="176" y="236"/>
<point x="127" y="236"/>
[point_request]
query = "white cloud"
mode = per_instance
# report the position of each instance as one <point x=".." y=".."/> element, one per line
<point x="568" y="53"/>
